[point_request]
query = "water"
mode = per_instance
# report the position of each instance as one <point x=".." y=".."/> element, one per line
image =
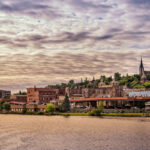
<point x="18" y="132"/>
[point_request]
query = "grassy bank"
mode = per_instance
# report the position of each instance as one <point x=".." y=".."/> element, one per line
<point x="73" y="114"/>
<point x="106" y="114"/>
<point x="83" y="114"/>
<point x="124" y="114"/>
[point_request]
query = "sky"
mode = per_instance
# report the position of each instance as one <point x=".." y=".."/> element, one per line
<point x="46" y="42"/>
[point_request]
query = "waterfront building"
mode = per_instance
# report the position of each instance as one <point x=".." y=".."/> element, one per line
<point x="19" y="107"/>
<point x="41" y="95"/>
<point x="103" y="90"/>
<point x="4" y="93"/>
<point x="19" y="98"/>
<point x="112" y="90"/>
<point x="74" y="92"/>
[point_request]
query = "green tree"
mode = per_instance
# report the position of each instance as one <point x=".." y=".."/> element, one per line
<point x="24" y="110"/>
<point x="117" y="76"/>
<point x="1" y="105"/>
<point x="71" y="82"/>
<point x="50" y="108"/>
<point x="100" y="107"/>
<point x="139" y="86"/>
<point x="65" y="106"/>
<point x="97" y="111"/>
<point x="109" y="79"/>
<point x="6" y="106"/>
<point x="147" y="84"/>
<point x="148" y="77"/>
<point x="63" y="85"/>
<point x="7" y="97"/>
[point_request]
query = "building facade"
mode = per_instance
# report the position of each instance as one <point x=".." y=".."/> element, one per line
<point x="19" y="98"/>
<point x="41" y="95"/>
<point x="4" y="93"/>
<point x="103" y="90"/>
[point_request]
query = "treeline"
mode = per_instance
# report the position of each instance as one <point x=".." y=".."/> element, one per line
<point x="130" y="81"/>
<point x="84" y="83"/>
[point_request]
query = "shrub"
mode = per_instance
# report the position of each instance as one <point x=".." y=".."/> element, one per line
<point x="40" y="113"/>
<point x="6" y="106"/>
<point x="24" y="110"/>
<point x="122" y="111"/>
<point x="29" y="112"/>
<point x="100" y="107"/>
<point x="50" y="108"/>
<point x="95" y="112"/>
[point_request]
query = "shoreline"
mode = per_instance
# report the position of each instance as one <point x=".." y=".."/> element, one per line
<point x="142" y="115"/>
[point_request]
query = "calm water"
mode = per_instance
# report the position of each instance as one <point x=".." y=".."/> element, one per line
<point x="73" y="133"/>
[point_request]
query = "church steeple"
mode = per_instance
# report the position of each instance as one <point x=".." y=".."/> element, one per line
<point x="141" y="68"/>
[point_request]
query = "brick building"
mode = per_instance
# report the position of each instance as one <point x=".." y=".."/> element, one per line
<point x="103" y="90"/>
<point x="112" y="90"/>
<point x="19" y="98"/>
<point x="41" y="95"/>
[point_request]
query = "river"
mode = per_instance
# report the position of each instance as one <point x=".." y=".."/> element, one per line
<point x="25" y="132"/>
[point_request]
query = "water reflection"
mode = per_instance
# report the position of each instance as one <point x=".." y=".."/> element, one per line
<point x="19" y="132"/>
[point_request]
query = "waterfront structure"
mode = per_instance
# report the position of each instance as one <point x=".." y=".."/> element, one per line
<point x="41" y="95"/>
<point x="19" y="98"/>
<point x="19" y="107"/>
<point x="74" y="92"/>
<point x="112" y="90"/>
<point x="136" y="92"/>
<point x="110" y="102"/>
<point x="103" y="90"/>
<point x="4" y="93"/>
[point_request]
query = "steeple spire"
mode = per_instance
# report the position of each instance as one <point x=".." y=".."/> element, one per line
<point x="141" y="65"/>
<point x="141" y="68"/>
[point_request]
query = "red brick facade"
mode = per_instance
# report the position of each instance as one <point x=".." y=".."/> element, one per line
<point x="41" y="95"/>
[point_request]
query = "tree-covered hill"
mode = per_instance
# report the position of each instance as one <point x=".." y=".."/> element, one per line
<point x="131" y="81"/>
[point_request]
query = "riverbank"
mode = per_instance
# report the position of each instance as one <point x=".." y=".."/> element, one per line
<point x="83" y="114"/>
<point x="109" y="114"/>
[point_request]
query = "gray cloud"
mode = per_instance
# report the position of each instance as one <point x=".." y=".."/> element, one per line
<point x="31" y="8"/>
<point x="140" y="3"/>
<point x="89" y="5"/>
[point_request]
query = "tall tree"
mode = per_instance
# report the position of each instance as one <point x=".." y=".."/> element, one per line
<point x="117" y="76"/>
<point x="66" y="104"/>
<point x="1" y="105"/>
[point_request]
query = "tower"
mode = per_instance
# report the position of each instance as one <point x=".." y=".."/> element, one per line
<point x="141" y="68"/>
<point x="143" y="78"/>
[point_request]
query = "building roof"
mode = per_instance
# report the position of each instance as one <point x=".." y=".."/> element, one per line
<point x="17" y="103"/>
<point x="110" y="99"/>
<point x="43" y="89"/>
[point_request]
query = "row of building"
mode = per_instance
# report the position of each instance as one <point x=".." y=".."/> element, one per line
<point x="113" y="96"/>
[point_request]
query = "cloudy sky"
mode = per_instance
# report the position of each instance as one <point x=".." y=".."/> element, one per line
<point x="51" y="41"/>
